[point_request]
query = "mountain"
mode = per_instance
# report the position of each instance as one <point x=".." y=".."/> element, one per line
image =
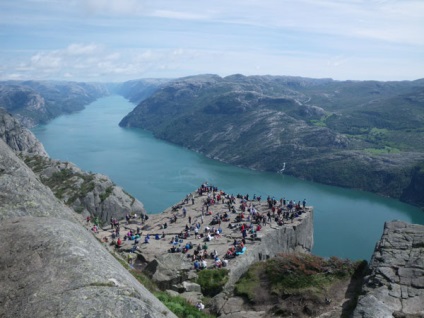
<point x="37" y="102"/>
<point x="137" y="90"/>
<point x="366" y="135"/>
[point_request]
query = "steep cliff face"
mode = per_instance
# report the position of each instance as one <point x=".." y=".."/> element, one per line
<point x="17" y="137"/>
<point x="395" y="286"/>
<point x="299" y="238"/>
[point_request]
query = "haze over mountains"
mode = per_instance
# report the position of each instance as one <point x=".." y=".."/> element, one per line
<point x="360" y="134"/>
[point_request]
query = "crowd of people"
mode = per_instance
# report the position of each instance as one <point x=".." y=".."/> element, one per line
<point x="245" y="215"/>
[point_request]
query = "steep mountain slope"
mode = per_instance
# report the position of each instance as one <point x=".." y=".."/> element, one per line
<point x="365" y="135"/>
<point x="50" y="266"/>
<point x="37" y="102"/>
<point x="17" y="137"/>
<point x="87" y="193"/>
<point x="137" y="90"/>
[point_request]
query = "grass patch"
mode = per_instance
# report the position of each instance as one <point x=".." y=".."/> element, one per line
<point x="212" y="281"/>
<point x="382" y="151"/>
<point x="106" y="194"/>
<point x="289" y="274"/>
<point x="178" y="305"/>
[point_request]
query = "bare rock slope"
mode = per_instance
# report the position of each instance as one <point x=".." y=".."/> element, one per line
<point x="50" y="266"/>
<point x="57" y="269"/>
<point x="21" y="193"/>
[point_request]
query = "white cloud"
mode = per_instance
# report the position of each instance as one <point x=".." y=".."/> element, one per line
<point x="123" y="39"/>
<point x="82" y="49"/>
<point x="113" y="7"/>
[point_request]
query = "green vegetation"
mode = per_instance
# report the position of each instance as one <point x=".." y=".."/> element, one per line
<point x="178" y="305"/>
<point x="106" y="194"/>
<point x="381" y="151"/>
<point x="212" y="281"/>
<point x="293" y="273"/>
<point x="65" y="182"/>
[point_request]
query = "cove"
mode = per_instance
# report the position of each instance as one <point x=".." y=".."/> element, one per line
<point x="347" y="223"/>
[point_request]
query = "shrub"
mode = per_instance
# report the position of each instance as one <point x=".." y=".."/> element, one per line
<point x="212" y="281"/>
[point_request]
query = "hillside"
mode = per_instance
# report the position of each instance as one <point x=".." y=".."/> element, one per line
<point x="360" y="134"/>
<point x="37" y="102"/>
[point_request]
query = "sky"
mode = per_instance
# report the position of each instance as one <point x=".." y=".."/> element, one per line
<point x="119" y="40"/>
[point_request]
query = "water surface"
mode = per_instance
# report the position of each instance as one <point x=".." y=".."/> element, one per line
<point x="347" y="223"/>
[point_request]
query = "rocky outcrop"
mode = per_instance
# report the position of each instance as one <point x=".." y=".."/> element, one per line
<point x="17" y="137"/>
<point x="87" y="193"/>
<point x="297" y="238"/>
<point x="50" y="266"/>
<point x="21" y="193"/>
<point x="54" y="268"/>
<point x="395" y="285"/>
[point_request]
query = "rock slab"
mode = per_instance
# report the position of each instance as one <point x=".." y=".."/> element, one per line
<point x="57" y="269"/>
<point x="395" y="285"/>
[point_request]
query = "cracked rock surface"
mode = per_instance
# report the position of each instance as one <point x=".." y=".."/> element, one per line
<point x="395" y="286"/>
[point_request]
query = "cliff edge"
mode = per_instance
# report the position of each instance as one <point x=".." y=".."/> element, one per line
<point x="395" y="285"/>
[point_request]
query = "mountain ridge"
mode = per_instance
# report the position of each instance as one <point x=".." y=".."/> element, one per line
<point x="370" y="131"/>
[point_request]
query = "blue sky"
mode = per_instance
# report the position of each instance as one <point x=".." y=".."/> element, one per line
<point x="118" y="40"/>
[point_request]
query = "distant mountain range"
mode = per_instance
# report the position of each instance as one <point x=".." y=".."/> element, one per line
<point x="366" y="135"/>
<point x="38" y="102"/>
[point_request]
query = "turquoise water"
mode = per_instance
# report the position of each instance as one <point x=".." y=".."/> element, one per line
<point x="347" y="223"/>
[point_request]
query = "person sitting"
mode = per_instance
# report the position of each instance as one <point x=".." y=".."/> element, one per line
<point x="203" y="264"/>
<point x="218" y="262"/>
<point x="119" y="242"/>
<point x="136" y="239"/>
<point x="157" y="237"/>
<point x="146" y="239"/>
<point x="258" y="228"/>
<point x="200" y="306"/>
<point x="196" y="265"/>
<point x="134" y="248"/>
